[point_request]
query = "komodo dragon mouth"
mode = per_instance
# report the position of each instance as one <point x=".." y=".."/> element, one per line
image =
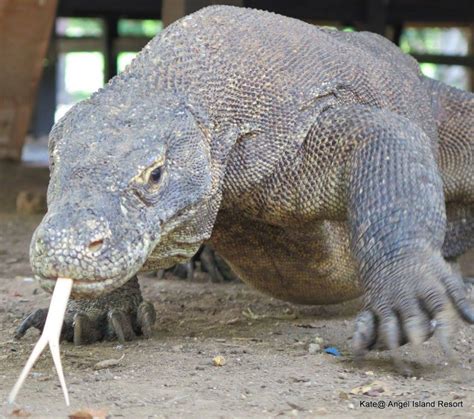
<point x="82" y="287"/>
<point x="98" y="286"/>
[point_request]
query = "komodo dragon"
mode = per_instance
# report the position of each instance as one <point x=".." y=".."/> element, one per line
<point x="320" y="164"/>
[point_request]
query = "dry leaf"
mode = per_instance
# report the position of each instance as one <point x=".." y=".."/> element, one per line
<point x="108" y="363"/>
<point x="87" y="413"/>
<point x="20" y="413"/>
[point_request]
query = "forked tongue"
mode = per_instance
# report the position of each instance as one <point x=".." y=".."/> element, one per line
<point x="51" y="334"/>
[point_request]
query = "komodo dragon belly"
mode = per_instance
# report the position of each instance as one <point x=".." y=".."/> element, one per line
<point x="307" y="265"/>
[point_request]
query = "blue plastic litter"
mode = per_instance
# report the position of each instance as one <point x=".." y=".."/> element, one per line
<point x="331" y="350"/>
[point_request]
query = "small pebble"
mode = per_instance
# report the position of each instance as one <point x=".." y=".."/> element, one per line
<point x="343" y="395"/>
<point x="218" y="361"/>
<point x="314" y="348"/>
<point x="318" y="339"/>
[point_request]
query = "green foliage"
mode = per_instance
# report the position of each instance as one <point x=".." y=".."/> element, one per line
<point x="78" y="27"/>
<point x="124" y="59"/>
<point x="438" y="41"/>
<point x="132" y="27"/>
<point x="433" y="41"/>
<point x="79" y="95"/>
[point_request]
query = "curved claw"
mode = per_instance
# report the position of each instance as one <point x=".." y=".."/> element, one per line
<point x="466" y="310"/>
<point x="120" y="325"/>
<point x="84" y="330"/>
<point x="456" y="288"/>
<point x="36" y="319"/>
<point x="365" y="334"/>
<point x="146" y="318"/>
<point x="414" y="314"/>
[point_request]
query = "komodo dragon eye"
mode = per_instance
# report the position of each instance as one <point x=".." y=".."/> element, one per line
<point x="152" y="175"/>
<point x="155" y="175"/>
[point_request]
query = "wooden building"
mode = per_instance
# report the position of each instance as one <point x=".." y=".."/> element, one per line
<point x="26" y="30"/>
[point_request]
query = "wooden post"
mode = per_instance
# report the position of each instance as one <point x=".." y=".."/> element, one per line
<point x="45" y="107"/>
<point x="110" y="54"/>
<point x="172" y="10"/>
<point x="470" y="32"/>
<point x="25" y="28"/>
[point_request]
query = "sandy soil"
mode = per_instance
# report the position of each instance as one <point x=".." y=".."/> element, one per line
<point x="272" y="363"/>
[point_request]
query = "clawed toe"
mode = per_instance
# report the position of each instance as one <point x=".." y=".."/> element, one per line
<point x="35" y="319"/>
<point x="120" y="315"/>
<point x="84" y="330"/>
<point x="146" y="318"/>
<point x="119" y="326"/>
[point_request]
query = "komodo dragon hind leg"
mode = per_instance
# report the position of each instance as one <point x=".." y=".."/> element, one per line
<point x="216" y="266"/>
<point x="121" y="314"/>
<point x="208" y="261"/>
<point x="397" y="221"/>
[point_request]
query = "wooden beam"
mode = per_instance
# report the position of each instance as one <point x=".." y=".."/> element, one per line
<point x="464" y="60"/>
<point x="90" y="44"/>
<point x="432" y="11"/>
<point x="398" y="11"/>
<point x="25" y="28"/>
<point x="133" y="9"/>
<point x="82" y="44"/>
<point x="130" y="43"/>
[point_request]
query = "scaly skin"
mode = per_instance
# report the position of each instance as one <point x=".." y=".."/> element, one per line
<point x="320" y="164"/>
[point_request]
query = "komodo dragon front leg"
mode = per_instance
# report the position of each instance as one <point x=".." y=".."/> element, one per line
<point x="121" y="314"/>
<point x="397" y="221"/>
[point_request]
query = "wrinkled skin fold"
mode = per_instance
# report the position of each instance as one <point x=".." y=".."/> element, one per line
<point x="320" y="164"/>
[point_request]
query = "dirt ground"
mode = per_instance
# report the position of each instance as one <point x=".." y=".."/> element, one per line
<point x="273" y="366"/>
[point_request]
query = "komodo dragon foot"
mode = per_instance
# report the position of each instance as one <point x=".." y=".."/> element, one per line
<point x="205" y="260"/>
<point x="121" y="314"/>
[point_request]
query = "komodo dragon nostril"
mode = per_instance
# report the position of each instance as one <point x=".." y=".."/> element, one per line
<point x="96" y="245"/>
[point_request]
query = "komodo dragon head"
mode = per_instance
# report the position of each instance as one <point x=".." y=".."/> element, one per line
<point x="130" y="182"/>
